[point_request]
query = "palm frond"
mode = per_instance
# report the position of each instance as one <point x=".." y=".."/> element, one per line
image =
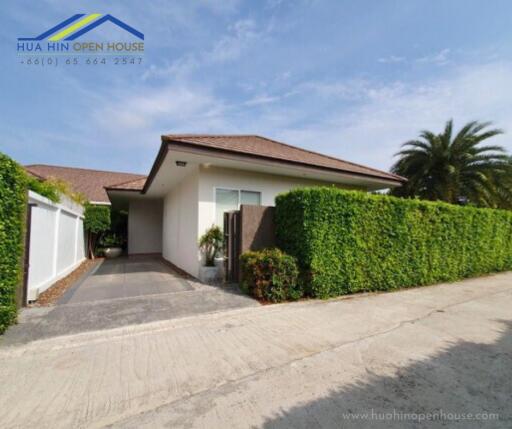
<point x="447" y="166"/>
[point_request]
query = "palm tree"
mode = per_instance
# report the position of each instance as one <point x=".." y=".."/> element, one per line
<point x="456" y="168"/>
<point x="504" y="187"/>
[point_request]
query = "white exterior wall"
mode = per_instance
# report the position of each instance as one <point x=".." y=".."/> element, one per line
<point x="180" y="224"/>
<point x="269" y="186"/>
<point x="57" y="244"/>
<point x="189" y="209"/>
<point x="145" y="226"/>
<point x="67" y="241"/>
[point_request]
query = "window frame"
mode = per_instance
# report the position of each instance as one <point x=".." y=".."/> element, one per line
<point x="239" y="190"/>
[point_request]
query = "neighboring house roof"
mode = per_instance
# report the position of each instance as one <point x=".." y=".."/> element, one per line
<point x="264" y="148"/>
<point x="91" y="183"/>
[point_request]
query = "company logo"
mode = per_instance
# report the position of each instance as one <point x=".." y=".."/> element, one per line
<point x="78" y="25"/>
<point x="69" y="38"/>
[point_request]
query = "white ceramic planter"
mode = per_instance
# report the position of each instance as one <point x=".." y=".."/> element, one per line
<point x="209" y="275"/>
<point x="112" y="252"/>
<point x="219" y="263"/>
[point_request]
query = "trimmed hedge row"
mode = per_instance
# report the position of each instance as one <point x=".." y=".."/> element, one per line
<point x="349" y="241"/>
<point x="13" y="200"/>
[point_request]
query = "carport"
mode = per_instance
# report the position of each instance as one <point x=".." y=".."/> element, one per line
<point x="121" y="292"/>
<point x="127" y="278"/>
<point x="145" y="217"/>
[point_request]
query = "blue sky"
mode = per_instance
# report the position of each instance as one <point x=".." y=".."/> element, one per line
<point x="353" y="79"/>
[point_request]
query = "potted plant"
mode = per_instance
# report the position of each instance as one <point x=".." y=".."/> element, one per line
<point x="112" y="245"/>
<point x="210" y="245"/>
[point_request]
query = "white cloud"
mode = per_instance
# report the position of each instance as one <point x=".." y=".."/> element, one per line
<point x="261" y="99"/>
<point x="221" y="6"/>
<point x="169" y="108"/>
<point x="389" y="115"/>
<point x="440" y="58"/>
<point x="359" y="120"/>
<point x="392" y="59"/>
<point x="230" y="47"/>
<point x="347" y="90"/>
<point x="183" y="67"/>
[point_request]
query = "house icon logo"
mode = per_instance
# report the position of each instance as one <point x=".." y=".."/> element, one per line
<point x="67" y="41"/>
<point x="78" y="25"/>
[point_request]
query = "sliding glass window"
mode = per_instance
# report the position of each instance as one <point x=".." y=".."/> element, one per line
<point x="230" y="199"/>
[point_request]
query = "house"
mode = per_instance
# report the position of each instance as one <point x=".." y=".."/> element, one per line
<point x="196" y="178"/>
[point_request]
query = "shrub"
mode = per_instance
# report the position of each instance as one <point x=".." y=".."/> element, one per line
<point x="52" y="188"/>
<point x="13" y="200"/>
<point x="43" y="188"/>
<point x="270" y="275"/>
<point x="347" y="241"/>
<point x="111" y="240"/>
<point x="210" y="244"/>
<point x="96" y="221"/>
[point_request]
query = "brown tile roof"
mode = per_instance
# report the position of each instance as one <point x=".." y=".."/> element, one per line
<point x="263" y="147"/>
<point x="131" y="185"/>
<point x="91" y="183"/>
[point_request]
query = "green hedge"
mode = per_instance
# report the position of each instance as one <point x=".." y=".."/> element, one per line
<point x="13" y="199"/>
<point x="347" y="241"/>
<point x="270" y="275"/>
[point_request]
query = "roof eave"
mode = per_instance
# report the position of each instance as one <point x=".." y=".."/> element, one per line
<point x="156" y="165"/>
<point x="393" y="180"/>
<point x="111" y="189"/>
<point x="167" y="140"/>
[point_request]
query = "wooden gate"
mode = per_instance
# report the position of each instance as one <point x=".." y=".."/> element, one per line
<point x="250" y="228"/>
<point x="232" y="245"/>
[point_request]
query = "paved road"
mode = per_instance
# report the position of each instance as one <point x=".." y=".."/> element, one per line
<point x="121" y="292"/>
<point x="301" y="365"/>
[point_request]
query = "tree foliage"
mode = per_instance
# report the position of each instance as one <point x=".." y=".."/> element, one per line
<point x="96" y="222"/>
<point x="52" y="188"/>
<point x="456" y="168"/>
<point x="13" y="202"/>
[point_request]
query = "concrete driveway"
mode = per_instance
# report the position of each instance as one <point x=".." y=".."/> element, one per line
<point x="383" y="360"/>
<point x="127" y="278"/>
<point x="120" y="292"/>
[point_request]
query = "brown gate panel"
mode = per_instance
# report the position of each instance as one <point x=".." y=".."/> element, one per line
<point x="250" y="228"/>
<point x="232" y="245"/>
<point x="257" y="228"/>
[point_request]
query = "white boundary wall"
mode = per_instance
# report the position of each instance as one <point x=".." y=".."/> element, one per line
<point x="57" y="244"/>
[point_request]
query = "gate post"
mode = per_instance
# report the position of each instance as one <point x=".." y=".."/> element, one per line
<point x="232" y="245"/>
